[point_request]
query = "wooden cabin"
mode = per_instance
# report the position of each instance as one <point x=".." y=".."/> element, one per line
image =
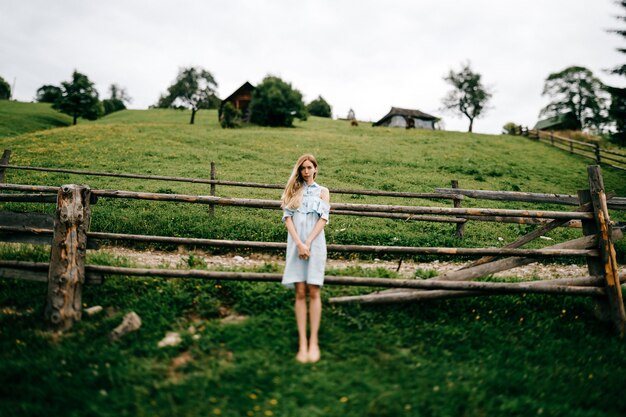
<point x="240" y="99"/>
<point x="408" y="119"/>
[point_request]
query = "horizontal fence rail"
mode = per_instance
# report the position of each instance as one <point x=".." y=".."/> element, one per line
<point x="585" y="149"/>
<point x="335" y="207"/>
<point x="492" y="287"/>
<point x="331" y="247"/>
<point x="380" y="193"/>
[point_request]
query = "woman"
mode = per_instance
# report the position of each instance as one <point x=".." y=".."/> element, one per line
<point x="306" y="206"/>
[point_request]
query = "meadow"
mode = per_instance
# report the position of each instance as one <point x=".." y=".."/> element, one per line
<point x="504" y="355"/>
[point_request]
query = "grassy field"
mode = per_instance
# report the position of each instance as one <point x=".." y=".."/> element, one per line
<point x="497" y="356"/>
<point x="17" y="118"/>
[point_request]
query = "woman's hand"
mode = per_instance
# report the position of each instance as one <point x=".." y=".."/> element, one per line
<point x="304" y="251"/>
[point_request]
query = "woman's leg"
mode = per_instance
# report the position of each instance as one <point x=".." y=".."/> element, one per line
<point x="300" y="308"/>
<point x="315" y="316"/>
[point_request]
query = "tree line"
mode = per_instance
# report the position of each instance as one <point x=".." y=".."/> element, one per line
<point x="574" y="92"/>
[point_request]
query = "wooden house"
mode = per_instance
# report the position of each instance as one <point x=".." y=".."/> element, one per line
<point x="240" y="99"/>
<point x="408" y="119"/>
<point x="565" y="121"/>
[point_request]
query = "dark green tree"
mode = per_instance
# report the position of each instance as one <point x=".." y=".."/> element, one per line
<point x="617" y="110"/>
<point x="48" y="94"/>
<point x="575" y="90"/>
<point x="5" y="90"/>
<point x="276" y="103"/>
<point x="194" y="88"/>
<point x="469" y="97"/>
<point x="319" y="107"/>
<point x="118" y="96"/>
<point x="79" y="98"/>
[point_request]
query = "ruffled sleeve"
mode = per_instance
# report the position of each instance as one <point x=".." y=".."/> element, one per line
<point x="288" y="213"/>
<point x="323" y="209"/>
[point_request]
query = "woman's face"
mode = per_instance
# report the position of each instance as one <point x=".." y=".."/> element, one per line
<point x="307" y="171"/>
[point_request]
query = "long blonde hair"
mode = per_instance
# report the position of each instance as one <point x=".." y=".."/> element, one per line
<point x="292" y="194"/>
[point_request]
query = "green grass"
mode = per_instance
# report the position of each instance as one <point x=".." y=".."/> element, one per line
<point x="496" y="356"/>
<point x="17" y="118"/>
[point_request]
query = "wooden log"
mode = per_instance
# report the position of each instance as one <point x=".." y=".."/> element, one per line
<point x="213" y="181"/>
<point x="492" y="287"/>
<point x="607" y="250"/>
<point x="6" y="155"/>
<point x="521" y="220"/>
<point x="27" y="198"/>
<point x="547" y="252"/>
<point x="242" y="202"/>
<point x="67" y="256"/>
<point x="514" y="196"/>
<point x="498" y="266"/>
<point x="404" y="295"/>
<point x="460" y="228"/>
<point x="399" y="216"/>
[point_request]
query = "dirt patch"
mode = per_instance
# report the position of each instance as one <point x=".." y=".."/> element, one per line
<point x="406" y="269"/>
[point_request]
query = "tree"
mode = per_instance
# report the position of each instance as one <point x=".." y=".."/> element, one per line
<point x="469" y="97"/>
<point x="319" y="107"/>
<point x="575" y="90"/>
<point x="116" y="101"/>
<point x="5" y="90"/>
<point x="193" y="89"/>
<point x="79" y="98"/>
<point x="48" y="94"/>
<point x="617" y="110"/>
<point x="276" y="103"/>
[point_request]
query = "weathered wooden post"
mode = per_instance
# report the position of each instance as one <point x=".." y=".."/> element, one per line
<point x="607" y="264"/>
<point x="460" y="227"/>
<point x="212" y="206"/>
<point x="552" y="137"/>
<point x="66" y="274"/>
<point x="597" y="151"/>
<point x="6" y="155"/>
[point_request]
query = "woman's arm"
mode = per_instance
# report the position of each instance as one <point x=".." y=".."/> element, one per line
<point x="303" y="250"/>
<point x="319" y="226"/>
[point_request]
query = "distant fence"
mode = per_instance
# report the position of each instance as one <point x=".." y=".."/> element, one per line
<point x="69" y="237"/>
<point x="593" y="151"/>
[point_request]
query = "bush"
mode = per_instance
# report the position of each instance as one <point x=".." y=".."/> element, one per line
<point x="276" y="103"/>
<point x="231" y="117"/>
<point x="112" y="105"/>
<point x="510" y="128"/>
<point x="5" y="90"/>
<point x="48" y="94"/>
<point x="319" y="107"/>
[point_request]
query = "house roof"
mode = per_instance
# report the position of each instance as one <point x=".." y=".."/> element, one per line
<point x="397" y="111"/>
<point x="557" y="120"/>
<point x="245" y="87"/>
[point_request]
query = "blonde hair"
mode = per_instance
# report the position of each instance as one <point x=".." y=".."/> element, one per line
<point x="292" y="194"/>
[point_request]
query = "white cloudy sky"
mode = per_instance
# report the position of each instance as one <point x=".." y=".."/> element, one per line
<point x="366" y="55"/>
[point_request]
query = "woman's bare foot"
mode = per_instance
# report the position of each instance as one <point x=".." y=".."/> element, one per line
<point x="314" y="353"/>
<point x="302" y="356"/>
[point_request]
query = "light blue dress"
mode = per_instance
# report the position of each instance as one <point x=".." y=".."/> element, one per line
<point x="304" y="219"/>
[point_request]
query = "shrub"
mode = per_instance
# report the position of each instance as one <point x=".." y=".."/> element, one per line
<point x="5" y="90"/>
<point x="276" y="103"/>
<point x="319" y="107"/>
<point x="510" y="128"/>
<point x="231" y="117"/>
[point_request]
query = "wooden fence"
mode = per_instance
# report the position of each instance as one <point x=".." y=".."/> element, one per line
<point x="69" y="237"/>
<point x="593" y="151"/>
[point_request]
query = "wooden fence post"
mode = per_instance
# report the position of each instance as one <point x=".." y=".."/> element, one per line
<point x="66" y="274"/>
<point x="607" y="250"/>
<point x="6" y="155"/>
<point x="212" y="206"/>
<point x="552" y="137"/>
<point x="460" y="227"/>
<point x="597" y="151"/>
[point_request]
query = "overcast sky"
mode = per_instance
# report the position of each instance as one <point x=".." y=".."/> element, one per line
<point x="361" y="54"/>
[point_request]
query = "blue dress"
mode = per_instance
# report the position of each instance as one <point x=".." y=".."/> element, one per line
<point x="304" y="219"/>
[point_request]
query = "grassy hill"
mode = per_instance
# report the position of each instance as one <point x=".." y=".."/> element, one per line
<point x="498" y="356"/>
<point x="17" y="118"/>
